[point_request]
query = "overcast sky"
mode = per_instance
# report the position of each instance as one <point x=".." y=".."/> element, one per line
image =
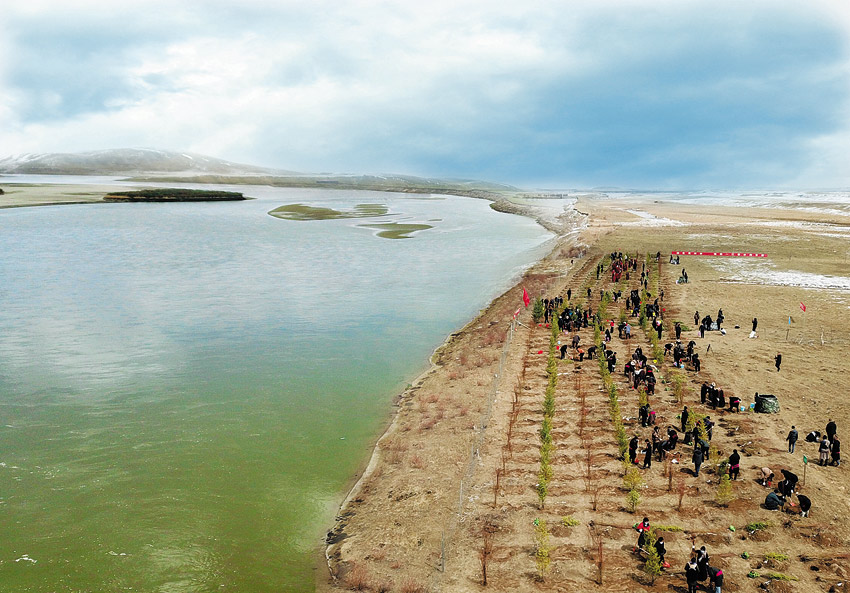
<point x="644" y="94"/>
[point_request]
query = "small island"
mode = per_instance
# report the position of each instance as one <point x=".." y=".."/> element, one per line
<point x="173" y="195"/>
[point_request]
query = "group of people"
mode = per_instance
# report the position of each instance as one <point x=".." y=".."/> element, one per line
<point x="683" y="354"/>
<point x="698" y="570"/>
<point x="829" y="445"/>
<point x="641" y="375"/>
<point x="639" y="372"/>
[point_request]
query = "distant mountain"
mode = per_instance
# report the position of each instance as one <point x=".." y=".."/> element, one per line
<point x="128" y="161"/>
<point x="145" y="164"/>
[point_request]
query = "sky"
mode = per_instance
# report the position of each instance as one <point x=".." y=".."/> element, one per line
<point x="656" y="94"/>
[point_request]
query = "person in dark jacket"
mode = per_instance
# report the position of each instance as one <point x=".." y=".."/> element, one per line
<point x="697" y="458"/>
<point x="643" y="414"/>
<point x="755" y="323"/>
<point x="702" y="562"/>
<point x="734" y="464"/>
<point x="831" y="429"/>
<point x="824" y="450"/>
<point x="716" y="577"/>
<point x="805" y="505"/>
<point x="661" y="549"/>
<point x="685" y="414"/>
<point x="835" y="450"/>
<point x="789" y="483"/>
<point x="647" y="456"/>
<point x="792" y="438"/>
<point x="774" y="501"/>
<point x="777" y="360"/>
<point x="633" y="446"/>
<point x="692" y="575"/>
<point x="643" y="529"/>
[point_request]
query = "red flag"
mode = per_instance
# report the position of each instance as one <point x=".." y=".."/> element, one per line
<point x="803" y="307"/>
<point x="525" y="298"/>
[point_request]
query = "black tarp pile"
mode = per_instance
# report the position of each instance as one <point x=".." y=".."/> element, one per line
<point x="766" y="403"/>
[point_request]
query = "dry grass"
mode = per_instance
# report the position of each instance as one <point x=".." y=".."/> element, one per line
<point x="427" y="424"/>
<point x="359" y="579"/>
<point x="411" y="586"/>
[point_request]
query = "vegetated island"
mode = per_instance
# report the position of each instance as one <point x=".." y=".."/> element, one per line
<point x="173" y="195"/>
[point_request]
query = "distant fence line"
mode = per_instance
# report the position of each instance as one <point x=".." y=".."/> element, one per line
<point x="474" y="455"/>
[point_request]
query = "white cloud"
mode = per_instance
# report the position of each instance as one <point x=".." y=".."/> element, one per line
<point x="422" y="87"/>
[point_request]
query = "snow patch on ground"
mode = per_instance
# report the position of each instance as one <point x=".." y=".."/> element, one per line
<point x="648" y="219"/>
<point x="763" y="272"/>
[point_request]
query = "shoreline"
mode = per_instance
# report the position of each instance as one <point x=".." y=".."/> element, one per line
<point x="569" y="240"/>
<point x="402" y="526"/>
<point x="391" y="421"/>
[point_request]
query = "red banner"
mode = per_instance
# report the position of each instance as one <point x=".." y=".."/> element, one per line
<point x="719" y="253"/>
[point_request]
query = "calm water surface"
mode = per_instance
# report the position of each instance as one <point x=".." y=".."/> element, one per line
<point x="185" y="389"/>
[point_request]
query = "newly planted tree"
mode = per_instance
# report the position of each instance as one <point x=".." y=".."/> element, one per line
<point x="653" y="564"/>
<point x="541" y="544"/>
<point x="725" y="494"/>
<point x="633" y="500"/>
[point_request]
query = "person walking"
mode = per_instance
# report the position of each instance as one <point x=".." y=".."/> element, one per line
<point x="697" y="458"/>
<point x="685" y="414"/>
<point x="777" y="360"/>
<point x="678" y="328"/>
<point x="755" y="323"/>
<point x="792" y="438"/>
<point x="696" y="318"/>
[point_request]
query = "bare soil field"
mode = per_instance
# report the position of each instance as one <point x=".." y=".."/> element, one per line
<point x="452" y="485"/>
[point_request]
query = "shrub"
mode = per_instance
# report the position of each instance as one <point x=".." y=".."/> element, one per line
<point x="411" y="586"/>
<point x="537" y="310"/>
<point x="570" y="521"/>
<point x="632" y="480"/>
<point x="725" y="494"/>
<point x="541" y="544"/>
<point x="778" y="576"/>
<point x="668" y="528"/>
<point x="358" y="578"/>
<point x="633" y="500"/>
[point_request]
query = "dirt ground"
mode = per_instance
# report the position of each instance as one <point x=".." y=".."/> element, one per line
<point x="428" y="504"/>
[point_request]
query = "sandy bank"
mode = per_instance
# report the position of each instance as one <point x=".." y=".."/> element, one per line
<point x="414" y="522"/>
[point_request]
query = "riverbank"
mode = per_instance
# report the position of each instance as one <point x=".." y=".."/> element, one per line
<point x="416" y="518"/>
<point x="22" y="195"/>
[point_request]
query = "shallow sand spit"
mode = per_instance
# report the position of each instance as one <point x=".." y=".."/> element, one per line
<point x="416" y="518"/>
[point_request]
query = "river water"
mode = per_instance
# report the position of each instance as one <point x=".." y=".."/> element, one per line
<point x="187" y="389"/>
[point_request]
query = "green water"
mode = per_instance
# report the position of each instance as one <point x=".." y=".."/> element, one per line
<point x="186" y="389"/>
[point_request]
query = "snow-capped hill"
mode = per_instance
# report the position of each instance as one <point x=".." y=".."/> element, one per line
<point x="126" y="161"/>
